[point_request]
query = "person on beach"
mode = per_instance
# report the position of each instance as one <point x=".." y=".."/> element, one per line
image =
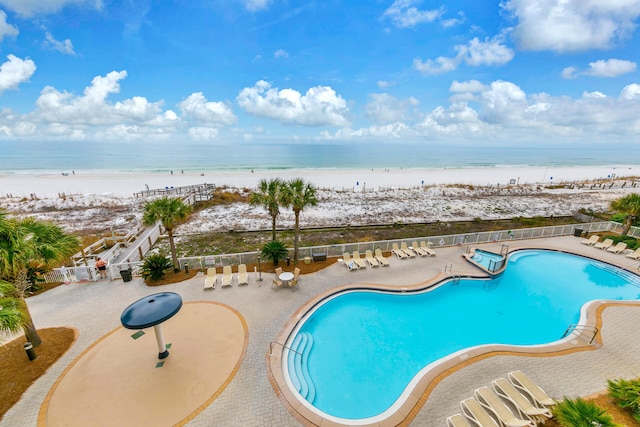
<point x="101" y="265"/>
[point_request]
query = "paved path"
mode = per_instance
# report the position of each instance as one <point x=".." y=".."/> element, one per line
<point x="94" y="309"/>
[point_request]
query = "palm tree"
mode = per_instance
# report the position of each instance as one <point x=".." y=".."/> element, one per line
<point x="170" y="211"/>
<point x="269" y="195"/>
<point x="298" y="194"/>
<point x="12" y="310"/>
<point x="629" y="205"/>
<point x="25" y="244"/>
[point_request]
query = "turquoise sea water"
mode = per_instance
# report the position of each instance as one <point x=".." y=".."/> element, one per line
<point x="367" y="346"/>
<point x="26" y="157"/>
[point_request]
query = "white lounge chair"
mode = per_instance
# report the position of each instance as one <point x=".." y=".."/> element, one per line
<point x="591" y="240"/>
<point x="522" y="382"/>
<point x="417" y="249"/>
<point x="395" y="249"/>
<point x="349" y="262"/>
<point x="210" y="278"/>
<point x="525" y="407"/>
<point x="406" y="250"/>
<point x="425" y="247"/>
<point x="356" y="258"/>
<point x="635" y="255"/>
<point x="226" y="276"/>
<point x="606" y="244"/>
<point x="368" y="256"/>
<point x="477" y="414"/>
<point x="457" y="420"/>
<point x="242" y="275"/>
<point x="381" y="258"/>
<point x="618" y="249"/>
<point x="489" y="400"/>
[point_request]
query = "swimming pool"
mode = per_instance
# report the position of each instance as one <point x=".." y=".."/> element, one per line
<point x="356" y="352"/>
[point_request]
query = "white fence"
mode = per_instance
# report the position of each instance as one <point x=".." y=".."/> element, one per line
<point x="329" y="251"/>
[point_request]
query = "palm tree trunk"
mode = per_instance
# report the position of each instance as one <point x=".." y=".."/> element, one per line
<point x="296" y="237"/>
<point x="30" y="331"/>
<point x="174" y="256"/>
<point x="273" y="228"/>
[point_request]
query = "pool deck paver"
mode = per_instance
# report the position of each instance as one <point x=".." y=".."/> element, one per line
<point x="249" y="400"/>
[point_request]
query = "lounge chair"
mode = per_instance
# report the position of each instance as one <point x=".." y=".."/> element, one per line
<point x="406" y="250"/>
<point x="395" y="249"/>
<point x="356" y="258"/>
<point x="381" y="258"/>
<point x="489" y="400"/>
<point x="635" y="255"/>
<point x="591" y="240"/>
<point x="226" y="276"/>
<point x="606" y="244"/>
<point x="349" y="263"/>
<point x="417" y="249"/>
<point x="210" y="279"/>
<point x="368" y="256"/>
<point x="525" y="407"/>
<point x="618" y="249"/>
<point x="242" y="275"/>
<point x="477" y="414"/>
<point x="426" y="248"/>
<point x="457" y="420"/>
<point x="522" y="382"/>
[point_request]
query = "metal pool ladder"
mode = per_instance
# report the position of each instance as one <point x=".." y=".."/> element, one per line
<point x="587" y="333"/>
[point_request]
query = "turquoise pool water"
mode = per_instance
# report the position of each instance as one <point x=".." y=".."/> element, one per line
<point x="364" y="347"/>
<point x="486" y="259"/>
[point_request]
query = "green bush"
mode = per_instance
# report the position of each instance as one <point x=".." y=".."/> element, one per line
<point x="275" y="250"/>
<point x="580" y="413"/>
<point x="155" y="266"/>
<point x="626" y="394"/>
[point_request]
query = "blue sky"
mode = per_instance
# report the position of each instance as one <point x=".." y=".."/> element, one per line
<point x="464" y="72"/>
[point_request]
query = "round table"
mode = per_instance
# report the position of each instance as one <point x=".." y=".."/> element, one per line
<point x="152" y="310"/>
<point x="286" y="277"/>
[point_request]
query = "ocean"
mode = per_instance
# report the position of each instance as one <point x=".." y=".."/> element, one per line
<point x="20" y="157"/>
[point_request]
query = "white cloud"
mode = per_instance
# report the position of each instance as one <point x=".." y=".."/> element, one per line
<point x="280" y="53"/>
<point x="65" y="46"/>
<point x="255" y="5"/>
<point x="15" y="71"/>
<point x="29" y="8"/>
<point x="468" y="86"/>
<point x="6" y="29"/>
<point x="383" y="108"/>
<point x="319" y="106"/>
<point x="572" y="25"/>
<point x="630" y="92"/>
<point x="383" y="84"/>
<point x="403" y="14"/>
<point x="197" y="107"/>
<point x="570" y="73"/>
<point x="475" y="53"/>
<point x="610" y="68"/>
<point x="201" y="133"/>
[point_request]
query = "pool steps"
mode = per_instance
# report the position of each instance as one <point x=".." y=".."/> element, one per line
<point x="298" y="366"/>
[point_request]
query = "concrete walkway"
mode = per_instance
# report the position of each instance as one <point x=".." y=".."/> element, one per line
<point x="249" y="400"/>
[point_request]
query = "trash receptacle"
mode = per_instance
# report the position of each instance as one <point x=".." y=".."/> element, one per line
<point x="578" y="232"/>
<point x="126" y="275"/>
<point x="31" y="352"/>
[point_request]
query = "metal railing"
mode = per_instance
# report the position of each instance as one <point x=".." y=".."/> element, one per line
<point x="587" y="333"/>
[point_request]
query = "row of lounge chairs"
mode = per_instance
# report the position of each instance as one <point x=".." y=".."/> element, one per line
<point x="493" y="408"/>
<point x="607" y="245"/>
<point x="355" y="262"/>
<point x="227" y="278"/>
<point x="404" y="251"/>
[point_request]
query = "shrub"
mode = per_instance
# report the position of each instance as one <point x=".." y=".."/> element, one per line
<point x="155" y="266"/>
<point x="626" y="394"/>
<point x="581" y="413"/>
<point x="275" y="250"/>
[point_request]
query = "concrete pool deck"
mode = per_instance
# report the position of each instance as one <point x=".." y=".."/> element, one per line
<point x="249" y="399"/>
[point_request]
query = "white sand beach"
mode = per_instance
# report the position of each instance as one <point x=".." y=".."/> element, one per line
<point x="99" y="202"/>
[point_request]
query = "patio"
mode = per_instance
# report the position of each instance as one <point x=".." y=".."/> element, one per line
<point x="249" y="399"/>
